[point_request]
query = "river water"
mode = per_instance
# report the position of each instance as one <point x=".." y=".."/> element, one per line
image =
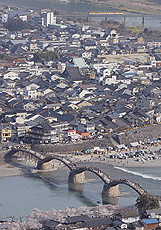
<point x="150" y="22"/>
<point x="19" y="195"/>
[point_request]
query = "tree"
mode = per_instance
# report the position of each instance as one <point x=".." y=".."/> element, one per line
<point x="122" y="27"/>
<point x="146" y="31"/>
<point x="56" y="12"/>
<point x="146" y="202"/>
<point x="15" y="24"/>
<point x="47" y="55"/>
<point x="158" y="228"/>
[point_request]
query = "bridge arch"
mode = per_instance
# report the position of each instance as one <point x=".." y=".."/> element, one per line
<point x="65" y="161"/>
<point x="98" y="172"/>
<point x="108" y="188"/>
<point x="11" y="153"/>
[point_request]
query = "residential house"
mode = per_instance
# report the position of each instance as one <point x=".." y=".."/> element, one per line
<point x="72" y="74"/>
<point x="119" y="224"/>
<point x="150" y="223"/>
<point x="30" y="91"/>
<point x="83" y="103"/>
<point x="144" y="102"/>
<point x="76" y="219"/>
<point x="52" y="224"/>
<point x="5" y="133"/>
<point x="138" y="225"/>
<point x="100" y="223"/>
<point x="128" y="216"/>
<point x="10" y="75"/>
<point x="42" y="133"/>
<point x="132" y="118"/>
<point x="86" y="127"/>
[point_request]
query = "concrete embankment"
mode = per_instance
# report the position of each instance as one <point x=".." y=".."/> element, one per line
<point x="68" y="148"/>
<point x="141" y="134"/>
<point x="134" y="135"/>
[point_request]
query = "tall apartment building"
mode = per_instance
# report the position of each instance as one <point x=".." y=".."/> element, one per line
<point x="49" y="18"/>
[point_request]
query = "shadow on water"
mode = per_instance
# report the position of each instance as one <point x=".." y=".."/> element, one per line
<point x="78" y="190"/>
<point x="110" y="200"/>
<point x="76" y="187"/>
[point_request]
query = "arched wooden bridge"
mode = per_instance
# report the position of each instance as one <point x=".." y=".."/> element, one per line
<point x="76" y="174"/>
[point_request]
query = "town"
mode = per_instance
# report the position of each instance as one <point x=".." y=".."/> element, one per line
<point x="71" y="87"/>
<point x="82" y="94"/>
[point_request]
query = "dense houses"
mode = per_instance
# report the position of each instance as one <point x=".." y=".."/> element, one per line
<point x="125" y="219"/>
<point x="82" y="93"/>
<point x="103" y="217"/>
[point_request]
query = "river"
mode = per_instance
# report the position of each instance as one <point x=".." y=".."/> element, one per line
<point x="19" y="195"/>
<point x="150" y="22"/>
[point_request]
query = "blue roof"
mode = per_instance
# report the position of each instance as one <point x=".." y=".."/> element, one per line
<point x="130" y="73"/>
<point x="150" y="221"/>
<point x="123" y="42"/>
<point x="154" y="139"/>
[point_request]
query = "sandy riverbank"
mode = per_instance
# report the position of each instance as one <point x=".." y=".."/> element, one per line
<point x="134" y="163"/>
<point x="130" y="162"/>
<point x="9" y="170"/>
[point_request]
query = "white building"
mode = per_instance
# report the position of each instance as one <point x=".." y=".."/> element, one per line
<point x="49" y="18"/>
<point x="30" y="91"/>
<point x="4" y="18"/>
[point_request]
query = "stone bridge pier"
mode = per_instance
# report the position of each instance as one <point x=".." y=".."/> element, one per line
<point x="109" y="191"/>
<point x="76" y="178"/>
<point x="45" y="166"/>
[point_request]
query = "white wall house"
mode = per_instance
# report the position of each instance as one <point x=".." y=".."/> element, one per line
<point x="4" y="18"/>
<point x="10" y="75"/>
<point x="30" y="91"/>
